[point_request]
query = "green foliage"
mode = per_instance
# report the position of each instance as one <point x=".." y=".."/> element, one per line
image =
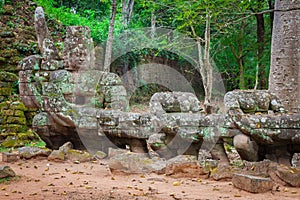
<point x="226" y="32"/>
<point x="96" y="20"/>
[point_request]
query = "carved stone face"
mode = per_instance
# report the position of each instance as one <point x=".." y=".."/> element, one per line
<point x="39" y="13"/>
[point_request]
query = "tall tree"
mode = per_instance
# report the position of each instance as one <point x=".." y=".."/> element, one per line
<point x="110" y="38"/>
<point x="261" y="79"/>
<point x="284" y="79"/>
<point x="127" y="9"/>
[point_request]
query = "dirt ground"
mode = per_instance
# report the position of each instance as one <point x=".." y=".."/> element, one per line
<point x="41" y="179"/>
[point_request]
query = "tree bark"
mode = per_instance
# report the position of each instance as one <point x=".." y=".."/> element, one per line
<point x="285" y="58"/>
<point x="271" y="7"/>
<point x="207" y="64"/>
<point x="260" y="34"/>
<point x="239" y="56"/>
<point x="110" y="38"/>
<point x="127" y="8"/>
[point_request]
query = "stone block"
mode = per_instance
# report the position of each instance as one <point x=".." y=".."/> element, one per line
<point x="289" y="175"/>
<point x="6" y="171"/>
<point x="9" y="157"/>
<point x="253" y="184"/>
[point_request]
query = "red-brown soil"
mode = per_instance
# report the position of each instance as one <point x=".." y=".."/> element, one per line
<point x="41" y="179"/>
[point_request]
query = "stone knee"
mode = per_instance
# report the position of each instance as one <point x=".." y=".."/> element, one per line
<point x="247" y="149"/>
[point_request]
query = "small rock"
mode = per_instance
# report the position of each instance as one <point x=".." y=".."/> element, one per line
<point x="184" y="166"/>
<point x="176" y="183"/>
<point x="136" y="163"/>
<point x="66" y="147"/>
<point x="113" y="152"/>
<point x="289" y="175"/>
<point x="79" y="156"/>
<point x="100" y="154"/>
<point x="223" y="171"/>
<point x="6" y="171"/>
<point x="254" y="184"/>
<point x="30" y="152"/>
<point x="56" y="156"/>
<point x="208" y="165"/>
<point x="9" y="157"/>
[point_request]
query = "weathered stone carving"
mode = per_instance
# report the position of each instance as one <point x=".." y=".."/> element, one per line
<point x="40" y="27"/>
<point x="268" y="131"/>
<point x="81" y="104"/>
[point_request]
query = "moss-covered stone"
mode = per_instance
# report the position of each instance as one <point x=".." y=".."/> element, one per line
<point x="7" y="134"/>
<point x="4" y="105"/>
<point x="16" y="128"/>
<point x="13" y="141"/>
<point x="8" y="77"/>
<point x="28" y="135"/>
<point x="7" y="113"/>
<point x="16" y="120"/>
<point x="19" y="113"/>
<point x="18" y="105"/>
<point x="5" y="91"/>
<point x="77" y="155"/>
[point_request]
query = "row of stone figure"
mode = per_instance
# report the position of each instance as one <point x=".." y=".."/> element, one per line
<point x="96" y="114"/>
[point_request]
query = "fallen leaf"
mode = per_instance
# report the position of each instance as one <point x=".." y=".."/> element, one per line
<point x="285" y="189"/>
<point x="3" y="188"/>
<point x="176" y="183"/>
<point x="237" y="195"/>
<point x="50" y="184"/>
<point x="69" y="183"/>
<point x="88" y="187"/>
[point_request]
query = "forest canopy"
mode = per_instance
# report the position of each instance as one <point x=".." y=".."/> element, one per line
<point x="240" y="31"/>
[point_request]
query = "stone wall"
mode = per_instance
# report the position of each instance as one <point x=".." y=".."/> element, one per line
<point x="15" y="118"/>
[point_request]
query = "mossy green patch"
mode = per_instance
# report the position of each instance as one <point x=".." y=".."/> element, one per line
<point x="16" y="128"/>
<point x="16" y="120"/>
<point x="5" y="91"/>
<point x="17" y="105"/>
<point x="7" y="113"/>
<point x="19" y="113"/>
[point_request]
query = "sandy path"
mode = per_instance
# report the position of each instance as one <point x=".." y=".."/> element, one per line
<point x="41" y="179"/>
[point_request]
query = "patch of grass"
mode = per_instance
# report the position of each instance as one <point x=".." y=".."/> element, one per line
<point x="38" y="143"/>
<point x="34" y="143"/>
<point x="7" y="180"/>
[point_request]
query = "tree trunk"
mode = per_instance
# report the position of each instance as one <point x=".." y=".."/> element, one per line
<point x="260" y="34"/>
<point x="239" y="56"/>
<point x="285" y="58"/>
<point x="110" y="38"/>
<point x="271" y="7"/>
<point x="207" y="64"/>
<point x="127" y="8"/>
